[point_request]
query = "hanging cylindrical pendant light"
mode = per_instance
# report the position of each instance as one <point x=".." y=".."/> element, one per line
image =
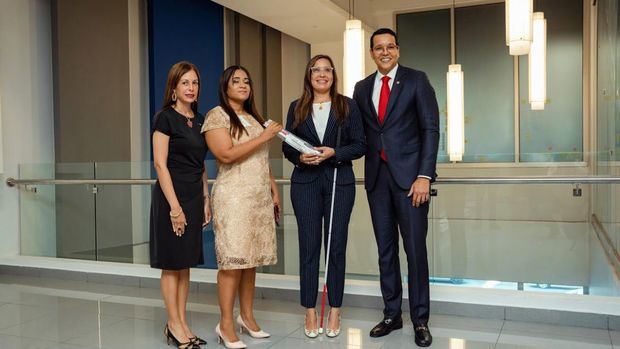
<point x="519" y="26"/>
<point x="537" y="62"/>
<point x="456" y="102"/>
<point x="353" y="62"/>
<point x="456" y="112"/>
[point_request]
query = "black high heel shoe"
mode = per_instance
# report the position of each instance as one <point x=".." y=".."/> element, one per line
<point x="170" y="338"/>
<point x="198" y="340"/>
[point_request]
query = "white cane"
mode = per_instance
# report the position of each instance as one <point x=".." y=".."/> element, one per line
<point x="329" y="238"/>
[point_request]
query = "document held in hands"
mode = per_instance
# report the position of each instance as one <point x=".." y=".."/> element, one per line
<point x="295" y="142"/>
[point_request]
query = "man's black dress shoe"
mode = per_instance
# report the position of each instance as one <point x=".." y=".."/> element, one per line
<point x="423" y="336"/>
<point x="386" y="326"/>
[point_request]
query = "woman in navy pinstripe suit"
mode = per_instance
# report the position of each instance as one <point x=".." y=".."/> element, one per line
<point x="318" y="116"/>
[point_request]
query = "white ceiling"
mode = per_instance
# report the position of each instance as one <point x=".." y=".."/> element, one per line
<point x="312" y="21"/>
<point x="320" y="21"/>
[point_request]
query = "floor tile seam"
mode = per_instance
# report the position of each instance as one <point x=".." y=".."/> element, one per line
<point x="40" y="339"/>
<point x="54" y="292"/>
<point x="22" y="336"/>
<point x="23" y="304"/>
<point x="101" y="327"/>
<point x="567" y="335"/>
<point x="63" y="341"/>
<point x="559" y="338"/>
<point x="336" y="344"/>
<point x="143" y="318"/>
<point x="276" y="342"/>
<point x="124" y="299"/>
<point x="499" y="334"/>
<point x="106" y="297"/>
<point x="288" y="335"/>
<point x="46" y="313"/>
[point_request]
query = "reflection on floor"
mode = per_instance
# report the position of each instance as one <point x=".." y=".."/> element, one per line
<point x="49" y="313"/>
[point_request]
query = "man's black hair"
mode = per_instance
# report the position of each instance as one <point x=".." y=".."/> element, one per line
<point x="381" y="31"/>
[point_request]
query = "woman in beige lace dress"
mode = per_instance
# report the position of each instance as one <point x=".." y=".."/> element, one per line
<point x="244" y="200"/>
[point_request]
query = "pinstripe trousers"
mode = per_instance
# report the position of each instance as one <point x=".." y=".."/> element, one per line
<point x="311" y="203"/>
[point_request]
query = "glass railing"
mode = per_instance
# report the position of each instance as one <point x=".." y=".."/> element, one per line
<point x="556" y="233"/>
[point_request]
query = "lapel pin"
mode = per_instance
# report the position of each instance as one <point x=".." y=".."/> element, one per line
<point x="397" y="82"/>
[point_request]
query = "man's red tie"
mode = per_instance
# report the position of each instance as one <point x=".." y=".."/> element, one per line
<point x="383" y="102"/>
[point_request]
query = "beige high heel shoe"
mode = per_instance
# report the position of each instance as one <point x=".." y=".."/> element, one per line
<point x="311" y="333"/>
<point x="231" y="345"/>
<point x="253" y="334"/>
<point x="331" y="332"/>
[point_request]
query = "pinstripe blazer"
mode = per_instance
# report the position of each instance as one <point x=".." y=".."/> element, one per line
<point x="352" y="146"/>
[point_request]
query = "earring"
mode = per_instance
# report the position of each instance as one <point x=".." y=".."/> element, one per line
<point x="174" y="96"/>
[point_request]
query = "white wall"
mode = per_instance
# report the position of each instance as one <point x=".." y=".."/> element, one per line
<point x="27" y="102"/>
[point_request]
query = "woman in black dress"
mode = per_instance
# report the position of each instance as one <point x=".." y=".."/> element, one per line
<point x="180" y="203"/>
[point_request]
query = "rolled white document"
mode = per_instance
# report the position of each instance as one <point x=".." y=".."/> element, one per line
<point x="295" y="142"/>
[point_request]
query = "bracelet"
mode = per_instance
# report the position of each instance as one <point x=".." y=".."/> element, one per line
<point x="176" y="215"/>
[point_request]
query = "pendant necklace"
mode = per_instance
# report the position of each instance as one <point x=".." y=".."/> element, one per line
<point x="188" y="120"/>
<point x="321" y="104"/>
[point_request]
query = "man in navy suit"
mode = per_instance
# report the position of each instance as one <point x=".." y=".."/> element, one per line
<point x="401" y="122"/>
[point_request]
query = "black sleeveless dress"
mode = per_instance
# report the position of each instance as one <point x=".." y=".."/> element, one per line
<point x="186" y="152"/>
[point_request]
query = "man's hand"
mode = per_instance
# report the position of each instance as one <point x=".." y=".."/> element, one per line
<point x="420" y="191"/>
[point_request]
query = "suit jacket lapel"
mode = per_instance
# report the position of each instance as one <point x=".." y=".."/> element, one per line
<point x="371" y="86"/>
<point x="331" y="125"/>
<point x="397" y="87"/>
<point x="315" y="136"/>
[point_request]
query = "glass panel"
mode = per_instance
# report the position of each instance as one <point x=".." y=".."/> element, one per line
<point x="615" y="230"/>
<point x="489" y="83"/>
<point x="57" y="221"/>
<point x="75" y="213"/>
<point x="540" y="139"/>
<point x="424" y="39"/>
<point x="606" y="206"/>
<point x="498" y="236"/>
<point x="122" y="230"/>
<point x="616" y="10"/>
<point x="37" y="207"/>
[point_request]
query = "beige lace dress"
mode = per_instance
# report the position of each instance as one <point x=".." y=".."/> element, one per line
<point x="243" y="217"/>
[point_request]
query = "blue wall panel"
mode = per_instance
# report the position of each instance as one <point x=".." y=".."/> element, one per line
<point x="188" y="30"/>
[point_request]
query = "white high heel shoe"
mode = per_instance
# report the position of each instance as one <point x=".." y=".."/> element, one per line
<point x="231" y="345"/>
<point x="333" y="332"/>
<point x="311" y="333"/>
<point x="253" y="334"/>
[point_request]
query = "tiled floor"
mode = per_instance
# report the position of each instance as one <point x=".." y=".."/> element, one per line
<point x="46" y="313"/>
